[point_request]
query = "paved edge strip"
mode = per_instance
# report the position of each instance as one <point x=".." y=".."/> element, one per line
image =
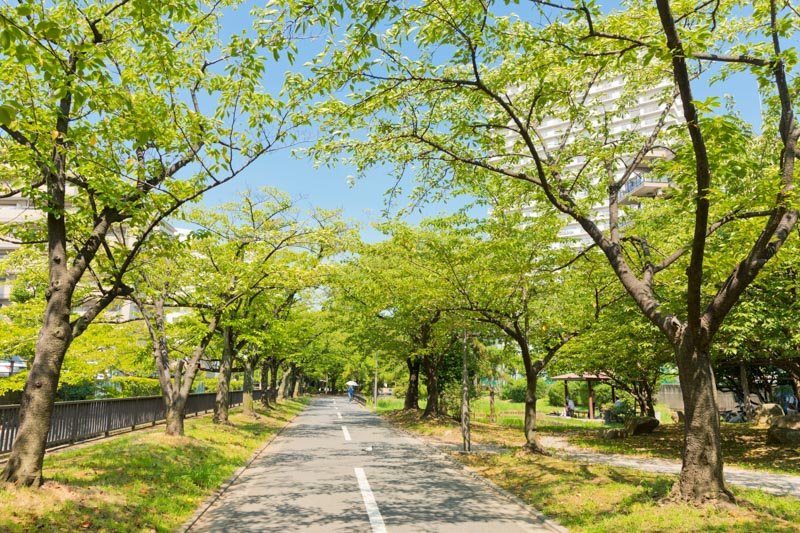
<point x="373" y="512"/>
<point x="208" y="502"/>
<point x="500" y="491"/>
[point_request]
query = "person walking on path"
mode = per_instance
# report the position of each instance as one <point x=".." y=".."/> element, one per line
<point x="350" y="392"/>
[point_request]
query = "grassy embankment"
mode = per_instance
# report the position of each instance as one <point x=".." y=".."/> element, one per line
<point x="589" y="498"/>
<point x="140" y="481"/>
<point x="743" y="445"/>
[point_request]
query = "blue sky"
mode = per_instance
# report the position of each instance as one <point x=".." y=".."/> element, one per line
<point x="364" y="201"/>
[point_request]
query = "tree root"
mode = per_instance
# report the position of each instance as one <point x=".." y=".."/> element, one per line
<point x="534" y="448"/>
<point x="722" y="499"/>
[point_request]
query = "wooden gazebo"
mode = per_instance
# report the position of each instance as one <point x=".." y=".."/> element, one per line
<point x="589" y="379"/>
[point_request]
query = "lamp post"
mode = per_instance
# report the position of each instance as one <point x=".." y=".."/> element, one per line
<point x="375" y="388"/>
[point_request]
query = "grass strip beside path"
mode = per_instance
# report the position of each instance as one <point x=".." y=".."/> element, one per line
<point x="140" y="481"/>
<point x="599" y="498"/>
<point x="743" y="445"/>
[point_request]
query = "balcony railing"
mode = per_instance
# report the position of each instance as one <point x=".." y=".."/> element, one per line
<point x="642" y="186"/>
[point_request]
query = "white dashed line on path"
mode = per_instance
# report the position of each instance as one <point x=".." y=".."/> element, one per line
<point x="339" y="415"/>
<point x="374" y="514"/>
<point x="346" y="433"/>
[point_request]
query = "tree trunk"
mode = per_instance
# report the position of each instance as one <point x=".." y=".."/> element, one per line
<point x="701" y="475"/>
<point x="265" y="367"/>
<point x="175" y="416"/>
<point x="24" y="466"/>
<point x="651" y="408"/>
<point x="273" y="380"/>
<point x="492" y="416"/>
<point x="531" y="440"/>
<point x="432" y="382"/>
<point x="247" y="390"/>
<point x="221" y="403"/>
<point x="412" y="392"/>
<point x="745" y="391"/>
<point x="284" y="383"/>
<point x="648" y="400"/>
<point x="298" y="381"/>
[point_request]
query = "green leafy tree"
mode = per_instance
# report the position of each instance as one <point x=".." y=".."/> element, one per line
<point x="503" y="272"/>
<point x="114" y="115"/>
<point x="456" y="91"/>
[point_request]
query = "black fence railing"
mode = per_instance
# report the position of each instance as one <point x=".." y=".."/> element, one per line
<point x="77" y="421"/>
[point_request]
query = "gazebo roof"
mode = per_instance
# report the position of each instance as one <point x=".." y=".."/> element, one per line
<point x="581" y="377"/>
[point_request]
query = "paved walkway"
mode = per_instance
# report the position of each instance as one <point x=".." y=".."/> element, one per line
<point x="781" y="484"/>
<point x="337" y="467"/>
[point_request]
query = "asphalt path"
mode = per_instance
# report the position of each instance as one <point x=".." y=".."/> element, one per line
<point x="338" y="467"/>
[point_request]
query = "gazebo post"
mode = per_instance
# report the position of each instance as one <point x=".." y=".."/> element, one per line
<point x="613" y="394"/>
<point x="566" y="398"/>
<point x="591" y="399"/>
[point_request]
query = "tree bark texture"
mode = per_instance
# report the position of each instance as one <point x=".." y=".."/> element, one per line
<point x="24" y="466"/>
<point x="265" y="392"/>
<point x="248" y="408"/>
<point x="284" y="384"/>
<point x="746" y="408"/>
<point x="701" y="474"/>
<point x="412" y="392"/>
<point x="432" y="381"/>
<point x="298" y="384"/>
<point x="492" y="416"/>
<point x="222" y="401"/>
<point x="273" y="379"/>
<point x="531" y="440"/>
<point x="175" y="417"/>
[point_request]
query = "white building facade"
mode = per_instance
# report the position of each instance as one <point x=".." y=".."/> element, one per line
<point x="642" y="115"/>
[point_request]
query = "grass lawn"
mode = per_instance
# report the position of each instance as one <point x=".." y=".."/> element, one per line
<point x="742" y="445"/>
<point x="599" y="498"/>
<point x="141" y="481"/>
<point x="587" y="498"/>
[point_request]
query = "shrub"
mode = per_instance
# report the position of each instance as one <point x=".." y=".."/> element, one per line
<point x="555" y="393"/>
<point x="210" y="385"/>
<point x="81" y="390"/>
<point x="399" y="390"/>
<point x="450" y="399"/>
<point x="621" y="411"/>
<point x="518" y="389"/>
<point x="11" y="388"/>
<point x="514" y="391"/>
<point x="132" y="386"/>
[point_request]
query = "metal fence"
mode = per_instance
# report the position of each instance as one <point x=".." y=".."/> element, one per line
<point x="75" y="421"/>
<point x="672" y="397"/>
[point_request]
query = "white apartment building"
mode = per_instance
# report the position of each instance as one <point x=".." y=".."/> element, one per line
<point x="16" y="209"/>
<point x="13" y="209"/>
<point x="642" y="118"/>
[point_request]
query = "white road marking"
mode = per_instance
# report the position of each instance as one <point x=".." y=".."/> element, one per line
<point x="339" y="415"/>
<point x="346" y="433"/>
<point x="374" y="514"/>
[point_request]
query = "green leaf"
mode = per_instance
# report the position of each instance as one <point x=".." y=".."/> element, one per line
<point x="7" y="114"/>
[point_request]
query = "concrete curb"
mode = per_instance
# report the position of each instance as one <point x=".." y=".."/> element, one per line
<point x="212" y="499"/>
<point x="537" y="515"/>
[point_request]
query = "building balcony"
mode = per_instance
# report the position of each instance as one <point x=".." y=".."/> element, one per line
<point x="642" y="186"/>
